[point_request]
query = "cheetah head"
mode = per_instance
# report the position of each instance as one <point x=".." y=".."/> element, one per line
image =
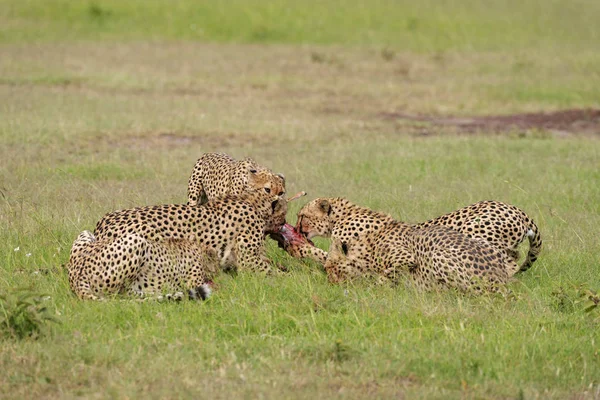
<point x="272" y="208"/>
<point x="314" y="219"/>
<point x="261" y="178"/>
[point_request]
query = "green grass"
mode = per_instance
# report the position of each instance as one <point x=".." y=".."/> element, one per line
<point x="297" y="335"/>
<point x="425" y="26"/>
<point x="108" y="105"/>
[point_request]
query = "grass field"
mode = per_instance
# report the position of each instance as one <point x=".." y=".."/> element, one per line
<point x="107" y="105"/>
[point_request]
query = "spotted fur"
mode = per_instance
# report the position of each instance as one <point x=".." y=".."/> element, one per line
<point x="134" y="265"/>
<point x="232" y="227"/>
<point x="217" y="174"/>
<point x="502" y="225"/>
<point x="366" y="242"/>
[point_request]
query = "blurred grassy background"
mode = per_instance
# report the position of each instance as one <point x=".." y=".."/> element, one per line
<point x="108" y="104"/>
<point x="429" y="25"/>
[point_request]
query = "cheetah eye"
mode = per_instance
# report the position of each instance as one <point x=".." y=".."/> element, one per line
<point x="281" y="194"/>
<point x="252" y="171"/>
<point x="268" y="190"/>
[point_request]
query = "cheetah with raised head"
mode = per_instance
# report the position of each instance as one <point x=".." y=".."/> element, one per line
<point x="372" y="243"/>
<point x="232" y="227"/>
<point x="136" y="266"/>
<point x="217" y="174"/>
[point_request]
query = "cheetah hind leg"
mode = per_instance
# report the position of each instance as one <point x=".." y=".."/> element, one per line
<point x="509" y="260"/>
<point x="511" y="267"/>
<point x="201" y="292"/>
<point x="513" y="254"/>
<point x="142" y="297"/>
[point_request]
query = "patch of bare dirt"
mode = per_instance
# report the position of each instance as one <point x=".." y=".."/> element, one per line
<point x="559" y="123"/>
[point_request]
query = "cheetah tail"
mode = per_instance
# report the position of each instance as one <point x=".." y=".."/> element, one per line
<point x="201" y="292"/>
<point x="535" y="246"/>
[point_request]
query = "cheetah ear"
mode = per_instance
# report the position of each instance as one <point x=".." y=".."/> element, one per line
<point x="281" y="176"/>
<point x="325" y="206"/>
<point x="252" y="177"/>
<point x="248" y="164"/>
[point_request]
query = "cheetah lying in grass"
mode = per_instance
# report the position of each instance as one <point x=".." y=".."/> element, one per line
<point x="440" y="251"/>
<point x="133" y="265"/>
<point x="152" y="249"/>
<point x="502" y="225"/>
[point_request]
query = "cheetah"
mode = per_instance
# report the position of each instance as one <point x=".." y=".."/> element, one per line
<point x="232" y="227"/>
<point x="136" y="266"/>
<point x="367" y="242"/>
<point x="445" y="257"/>
<point x="502" y="225"/>
<point x="439" y="257"/>
<point x="217" y="174"/>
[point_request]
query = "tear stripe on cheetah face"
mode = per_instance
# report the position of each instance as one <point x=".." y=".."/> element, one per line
<point x="234" y="224"/>
<point x="133" y="265"/>
<point x="375" y="244"/>
<point x="217" y="174"/>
